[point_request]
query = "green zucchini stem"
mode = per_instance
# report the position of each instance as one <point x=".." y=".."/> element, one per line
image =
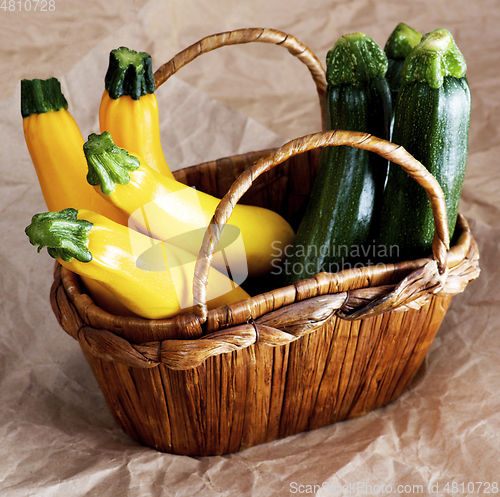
<point x="402" y="41"/>
<point x="398" y="46"/>
<point x="434" y="58"/>
<point x="355" y="59"/>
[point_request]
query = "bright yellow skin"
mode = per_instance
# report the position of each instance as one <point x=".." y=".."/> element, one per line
<point x="167" y="209"/>
<point x="55" y="144"/>
<point x="153" y="294"/>
<point x="135" y="126"/>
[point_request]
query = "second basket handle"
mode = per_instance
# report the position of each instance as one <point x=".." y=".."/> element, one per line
<point x="388" y="150"/>
<point x="249" y="35"/>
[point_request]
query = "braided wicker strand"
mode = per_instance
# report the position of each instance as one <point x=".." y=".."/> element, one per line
<point x="242" y="36"/>
<point x="276" y="328"/>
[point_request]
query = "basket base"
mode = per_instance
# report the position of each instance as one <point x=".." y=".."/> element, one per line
<point x="260" y="393"/>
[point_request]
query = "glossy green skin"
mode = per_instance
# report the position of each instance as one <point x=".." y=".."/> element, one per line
<point x="398" y="46"/>
<point x="432" y="124"/>
<point x="348" y="185"/>
<point x="393" y="76"/>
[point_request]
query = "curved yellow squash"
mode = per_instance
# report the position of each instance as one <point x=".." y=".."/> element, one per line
<point x="135" y="126"/>
<point x="55" y="144"/>
<point x="252" y="242"/>
<point x="152" y="279"/>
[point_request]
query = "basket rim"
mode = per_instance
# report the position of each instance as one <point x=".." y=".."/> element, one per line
<point x="377" y="283"/>
<point x="281" y="326"/>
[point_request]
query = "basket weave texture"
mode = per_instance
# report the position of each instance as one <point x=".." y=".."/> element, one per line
<point x="290" y="359"/>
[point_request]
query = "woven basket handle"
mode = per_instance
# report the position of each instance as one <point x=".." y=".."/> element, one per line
<point x="364" y="141"/>
<point x="249" y="35"/>
<point x="388" y="150"/>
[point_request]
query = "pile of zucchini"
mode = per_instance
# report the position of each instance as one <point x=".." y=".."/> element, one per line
<point x="363" y="210"/>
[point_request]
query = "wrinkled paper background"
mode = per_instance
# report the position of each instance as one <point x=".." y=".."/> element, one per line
<point x="57" y="437"/>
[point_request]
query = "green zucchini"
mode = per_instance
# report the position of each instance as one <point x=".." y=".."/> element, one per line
<point x="431" y="121"/>
<point x="337" y="222"/>
<point x="398" y="46"/>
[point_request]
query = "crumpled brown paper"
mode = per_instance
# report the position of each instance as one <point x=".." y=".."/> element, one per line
<point x="57" y="438"/>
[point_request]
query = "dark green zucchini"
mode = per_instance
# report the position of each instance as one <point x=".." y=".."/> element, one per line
<point x="337" y="223"/>
<point x="432" y="116"/>
<point x="398" y="46"/>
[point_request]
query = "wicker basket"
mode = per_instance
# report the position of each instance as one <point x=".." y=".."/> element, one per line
<point x="290" y="359"/>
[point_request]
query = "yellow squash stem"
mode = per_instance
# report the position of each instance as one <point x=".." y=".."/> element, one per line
<point x="129" y="108"/>
<point x="253" y="241"/>
<point x="152" y="279"/>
